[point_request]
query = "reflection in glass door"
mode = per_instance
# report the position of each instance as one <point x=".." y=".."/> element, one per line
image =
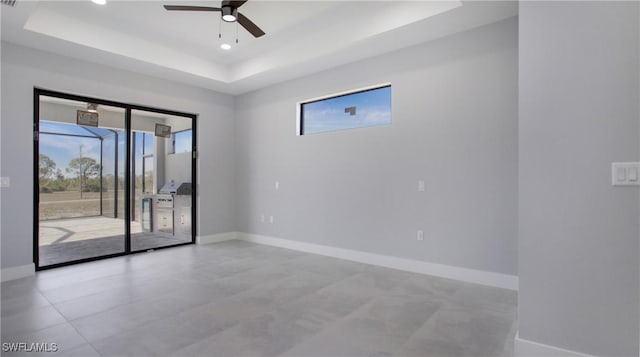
<point x="80" y="181"/>
<point x="161" y="177"/>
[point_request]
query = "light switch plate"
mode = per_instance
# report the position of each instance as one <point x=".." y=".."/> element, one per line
<point x="420" y="186"/>
<point x="625" y="174"/>
<point x="4" y="181"/>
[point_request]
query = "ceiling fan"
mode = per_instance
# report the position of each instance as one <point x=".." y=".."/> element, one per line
<point x="229" y="10"/>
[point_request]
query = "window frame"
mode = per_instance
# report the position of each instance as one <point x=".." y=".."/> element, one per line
<point x="300" y="105"/>
<point x="173" y="141"/>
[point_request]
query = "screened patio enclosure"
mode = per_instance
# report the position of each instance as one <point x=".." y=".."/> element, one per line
<point x="97" y="189"/>
<point x="90" y="185"/>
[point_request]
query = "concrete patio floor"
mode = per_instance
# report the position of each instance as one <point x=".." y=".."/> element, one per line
<point x="76" y="229"/>
<point x="75" y="239"/>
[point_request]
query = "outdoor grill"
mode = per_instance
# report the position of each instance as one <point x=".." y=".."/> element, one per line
<point x="170" y="210"/>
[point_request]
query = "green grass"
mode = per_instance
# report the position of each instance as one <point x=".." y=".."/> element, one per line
<point x="68" y="196"/>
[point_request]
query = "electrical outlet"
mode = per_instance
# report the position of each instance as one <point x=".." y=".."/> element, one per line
<point x="420" y="235"/>
<point x="271" y="220"/>
<point x="421" y="186"/>
<point x="277" y="185"/>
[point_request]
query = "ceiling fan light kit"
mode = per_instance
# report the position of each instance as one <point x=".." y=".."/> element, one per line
<point x="228" y="11"/>
<point x="229" y="14"/>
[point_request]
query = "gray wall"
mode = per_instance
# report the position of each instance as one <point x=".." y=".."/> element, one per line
<point x="578" y="235"/>
<point x="23" y="68"/>
<point x="454" y="126"/>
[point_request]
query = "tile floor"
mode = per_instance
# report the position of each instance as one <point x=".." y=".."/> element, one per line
<point x="241" y="299"/>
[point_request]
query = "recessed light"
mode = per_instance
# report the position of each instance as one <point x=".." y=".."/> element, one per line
<point x="92" y="107"/>
<point x="99" y="2"/>
<point x="225" y="46"/>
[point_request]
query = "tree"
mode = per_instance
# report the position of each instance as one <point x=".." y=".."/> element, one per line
<point x="86" y="168"/>
<point x="60" y="183"/>
<point x="59" y="175"/>
<point x="47" y="167"/>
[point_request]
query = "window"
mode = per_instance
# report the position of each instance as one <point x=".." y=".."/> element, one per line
<point x="358" y="109"/>
<point x="182" y="141"/>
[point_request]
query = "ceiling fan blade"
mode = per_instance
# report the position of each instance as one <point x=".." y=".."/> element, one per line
<point x="249" y="25"/>
<point x="190" y="8"/>
<point x="236" y="3"/>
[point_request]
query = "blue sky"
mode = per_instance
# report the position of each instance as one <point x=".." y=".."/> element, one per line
<point x="372" y="108"/>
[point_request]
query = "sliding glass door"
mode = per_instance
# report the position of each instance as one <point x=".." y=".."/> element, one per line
<point x="161" y="177"/>
<point x="109" y="179"/>
<point x="80" y="179"/>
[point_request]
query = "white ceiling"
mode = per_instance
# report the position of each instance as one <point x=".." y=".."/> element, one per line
<point x="302" y="37"/>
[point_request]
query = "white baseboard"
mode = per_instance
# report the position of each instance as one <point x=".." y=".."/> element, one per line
<point x="18" y="272"/>
<point x="216" y="238"/>
<point x="416" y="266"/>
<point x="526" y="348"/>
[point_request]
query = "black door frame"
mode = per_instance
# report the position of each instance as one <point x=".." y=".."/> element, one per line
<point x="37" y="92"/>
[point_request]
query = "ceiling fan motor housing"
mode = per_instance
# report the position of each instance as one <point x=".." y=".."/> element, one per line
<point x="229" y="11"/>
<point x="229" y="14"/>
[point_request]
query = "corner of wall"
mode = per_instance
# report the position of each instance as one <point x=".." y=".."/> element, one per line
<point x="18" y="272"/>
<point x="216" y="238"/>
